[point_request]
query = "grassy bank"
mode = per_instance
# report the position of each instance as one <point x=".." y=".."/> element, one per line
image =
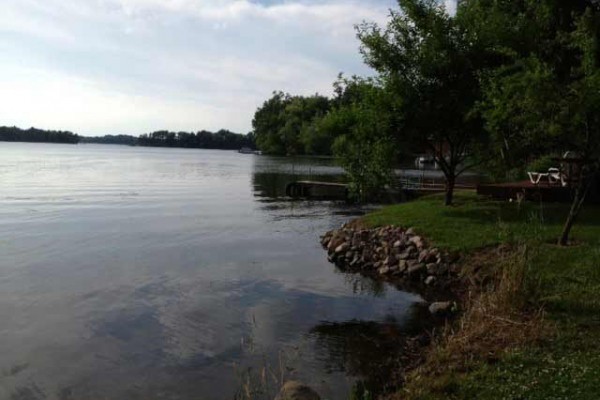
<point x="529" y="331"/>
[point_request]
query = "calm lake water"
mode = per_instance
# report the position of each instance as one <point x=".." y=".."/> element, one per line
<point x="149" y="273"/>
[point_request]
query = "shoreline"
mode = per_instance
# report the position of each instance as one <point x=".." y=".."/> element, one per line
<point x="496" y="308"/>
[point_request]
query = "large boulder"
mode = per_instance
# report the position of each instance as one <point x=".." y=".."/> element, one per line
<point x="293" y="390"/>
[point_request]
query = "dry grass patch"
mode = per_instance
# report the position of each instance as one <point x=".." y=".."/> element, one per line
<point x="499" y="314"/>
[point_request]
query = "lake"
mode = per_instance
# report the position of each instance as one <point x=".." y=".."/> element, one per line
<point x="154" y="273"/>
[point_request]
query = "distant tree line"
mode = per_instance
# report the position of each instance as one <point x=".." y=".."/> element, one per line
<point x="14" y="134"/>
<point x="110" y="139"/>
<point x="223" y="140"/>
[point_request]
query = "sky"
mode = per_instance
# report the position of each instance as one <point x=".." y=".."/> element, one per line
<point x="99" y="67"/>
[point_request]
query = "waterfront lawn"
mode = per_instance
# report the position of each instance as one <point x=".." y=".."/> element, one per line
<point x="566" y="364"/>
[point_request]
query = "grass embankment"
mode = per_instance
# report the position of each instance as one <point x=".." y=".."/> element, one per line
<point x="530" y="327"/>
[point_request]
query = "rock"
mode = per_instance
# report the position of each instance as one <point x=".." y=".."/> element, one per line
<point x="410" y="231"/>
<point x="430" y="280"/>
<point x="341" y="248"/>
<point x="293" y="390"/>
<point x="402" y="265"/>
<point x="416" y="269"/>
<point x="349" y="255"/>
<point x="442" y="269"/>
<point x="441" y="308"/>
<point x="417" y="241"/>
<point x="397" y="244"/>
<point x="423" y="256"/>
<point x="432" y="268"/>
<point x="405" y="255"/>
<point x="384" y="270"/>
<point x="335" y="242"/>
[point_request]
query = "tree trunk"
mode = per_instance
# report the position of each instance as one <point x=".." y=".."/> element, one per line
<point x="583" y="188"/>
<point x="450" y="182"/>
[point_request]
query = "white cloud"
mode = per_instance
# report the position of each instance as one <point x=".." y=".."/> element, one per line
<point x="139" y="65"/>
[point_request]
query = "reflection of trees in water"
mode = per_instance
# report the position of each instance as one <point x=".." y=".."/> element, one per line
<point x="373" y="352"/>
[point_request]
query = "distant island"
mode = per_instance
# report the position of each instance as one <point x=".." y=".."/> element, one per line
<point x="220" y="140"/>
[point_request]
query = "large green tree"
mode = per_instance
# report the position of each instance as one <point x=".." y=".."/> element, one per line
<point x="362" y="122"/>
<point x="543" y="95"/>
<point x="425" y="59"/>
<point x="281" y="125"/>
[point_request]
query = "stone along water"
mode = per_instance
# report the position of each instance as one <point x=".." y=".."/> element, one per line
<point x="150" y="273"/>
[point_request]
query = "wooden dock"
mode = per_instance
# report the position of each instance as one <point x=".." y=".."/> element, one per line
<point x="526" y="190"/>
<point x="403" y="188"/>
<point x="317" y="190"/>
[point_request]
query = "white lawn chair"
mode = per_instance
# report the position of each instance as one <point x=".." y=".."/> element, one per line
<point x="555" y="176"/>
<point x="535" y="177"/>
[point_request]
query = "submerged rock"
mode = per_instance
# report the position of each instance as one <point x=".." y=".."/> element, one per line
<point x="293" y="390"/>
<point x="441" y="308"/>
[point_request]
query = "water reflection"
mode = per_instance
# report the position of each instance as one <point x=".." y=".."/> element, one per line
<point x="374" y="352"/>
<point x="160" y="263"/>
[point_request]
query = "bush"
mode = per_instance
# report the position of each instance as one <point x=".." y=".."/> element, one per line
<point x="542" y="163"/>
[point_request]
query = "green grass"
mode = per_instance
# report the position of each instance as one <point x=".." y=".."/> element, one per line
<point x="474" y="222"/>
<point x="567" y="364"/>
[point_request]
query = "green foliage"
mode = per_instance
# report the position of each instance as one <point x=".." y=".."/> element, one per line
<point x="282" y="126"/>
<point x="543" y="163"/>
<point x="110" y="139"/>
<point x="223" y="139"/>
<point x="362" y="122"/>
<point x="540" y="86"/>
<point x="367" y="162"/>
<point x="426" y="60"/>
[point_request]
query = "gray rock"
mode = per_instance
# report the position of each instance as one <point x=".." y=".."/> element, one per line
<point x="397" y="244"/>
<point x="417" y="241"/>
<point x="432" y="268"/>
<point x="416" y="269"/>
<point x="442" y="269"/>
<point x="335" y="242"/>
<point x="384" y="270"/>
<point x="341" y="248"/>
<point x="402" y="265"/>
<point x="441" y="308"/>
<point x="430" y="280"/>
<point x="410" y="231"/>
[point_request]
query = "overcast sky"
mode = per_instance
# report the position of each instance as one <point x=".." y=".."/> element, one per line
<point x="133" y="66"/>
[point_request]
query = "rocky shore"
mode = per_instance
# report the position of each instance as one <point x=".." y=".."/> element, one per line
<point x="395" y="254"/>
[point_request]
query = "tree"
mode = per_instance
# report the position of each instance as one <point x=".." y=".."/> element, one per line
<point x="362" y="122"/>
<point x="14" y="134"/>
<point x="544" y="94"/>
<point x="267" y="122"/>
<point x="281" y="124"/>
<point x="425" y="59"/>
